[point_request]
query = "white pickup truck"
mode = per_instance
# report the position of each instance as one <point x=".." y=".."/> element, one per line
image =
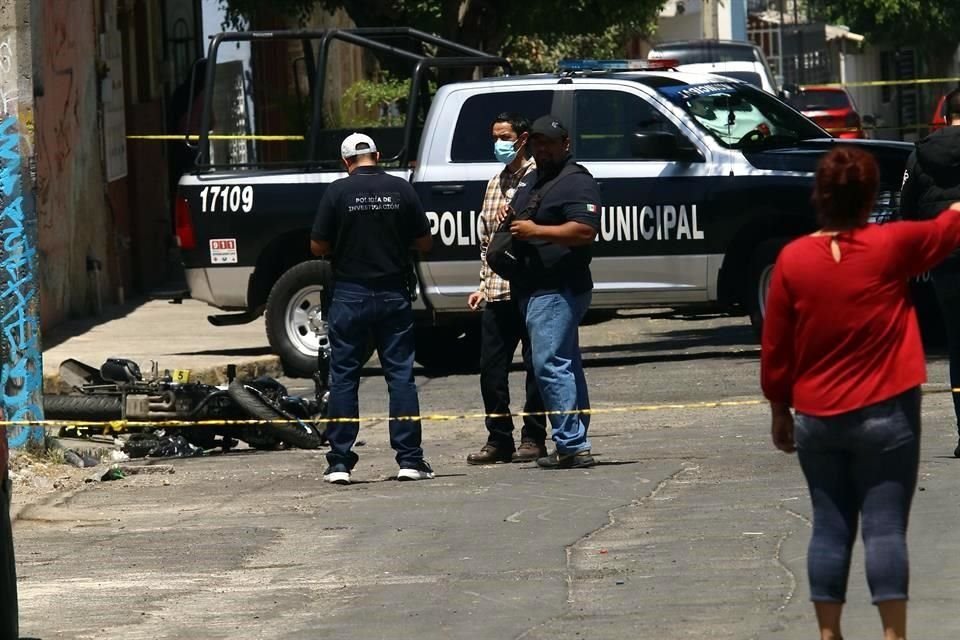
<point x="703" y="180"/>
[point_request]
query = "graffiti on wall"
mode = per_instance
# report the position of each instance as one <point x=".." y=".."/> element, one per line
<point x="21" y="369"/>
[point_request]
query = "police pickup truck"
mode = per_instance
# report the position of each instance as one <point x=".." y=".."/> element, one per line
<point x="703" y="179"/>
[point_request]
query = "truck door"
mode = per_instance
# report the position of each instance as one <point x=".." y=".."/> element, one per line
<point x="651" y="244"/>
<point x="457" y="163"/>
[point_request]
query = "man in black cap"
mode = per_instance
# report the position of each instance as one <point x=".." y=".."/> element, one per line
<point x="556" y="217"/>
<point x="368" y="222"/>
<point x="931" y="184"/>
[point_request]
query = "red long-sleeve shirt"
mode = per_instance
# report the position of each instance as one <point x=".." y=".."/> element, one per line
<point x="839" y="336"/>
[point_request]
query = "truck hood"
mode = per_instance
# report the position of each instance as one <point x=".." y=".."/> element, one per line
<point x="804" y="156"/>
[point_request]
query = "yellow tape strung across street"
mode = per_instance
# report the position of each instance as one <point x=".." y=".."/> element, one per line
<point x="883" y="83"/>
<point x="119" y="426"/>
<point x="122" y="425"/>
<point x="216" y="136"/>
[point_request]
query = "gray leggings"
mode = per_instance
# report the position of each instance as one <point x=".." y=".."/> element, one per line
<point x="862" y="463"/>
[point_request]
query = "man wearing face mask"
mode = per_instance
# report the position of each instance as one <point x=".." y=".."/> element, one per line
<point x="502" y="327"/>
<point x="556" y="217"/>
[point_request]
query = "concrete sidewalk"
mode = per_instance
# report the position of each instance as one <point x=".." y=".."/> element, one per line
<point x="176" y="336"/>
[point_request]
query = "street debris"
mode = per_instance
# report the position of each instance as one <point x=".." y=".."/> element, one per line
<point x="260" y="412"/>
<point x="122" y="471"/>
<point x="79" y="459"/>
<point x="174" y="447"/>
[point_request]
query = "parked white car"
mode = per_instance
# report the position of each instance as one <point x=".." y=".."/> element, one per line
<point x="738" y="60"/>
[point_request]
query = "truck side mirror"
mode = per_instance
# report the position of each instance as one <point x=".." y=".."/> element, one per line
<point x="788" y="91"/>
<point x="654" y="145"/>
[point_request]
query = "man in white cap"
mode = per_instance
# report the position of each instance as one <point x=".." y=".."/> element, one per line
<point x="367" y="223"/>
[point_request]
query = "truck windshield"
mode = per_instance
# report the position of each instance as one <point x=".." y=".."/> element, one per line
<point x="740" y="116"/>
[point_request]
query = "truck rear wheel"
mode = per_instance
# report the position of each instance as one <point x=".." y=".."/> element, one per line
<point x="296" y="316"/>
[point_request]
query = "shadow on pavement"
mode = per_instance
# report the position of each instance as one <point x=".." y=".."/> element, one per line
<point x="438" y="476"/>
<point x="78" y="326"/>
<point x="623" y="361"/>
<point x="242" y="351"/>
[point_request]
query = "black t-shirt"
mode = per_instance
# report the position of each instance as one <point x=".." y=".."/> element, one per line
<point x="549" y="266"/>
<point x="371" y="218"/>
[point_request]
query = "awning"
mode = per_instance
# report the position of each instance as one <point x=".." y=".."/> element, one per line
<point x="835" y="32"/>
<point x="832" y="31"/>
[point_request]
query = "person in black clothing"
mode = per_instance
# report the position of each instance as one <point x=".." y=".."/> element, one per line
<point x="558" y="206"/>
<point x="501" y="325"/>
<point x="368" y="222"/>
<point x="931" y="183"/>
<point x="9" y="622"/>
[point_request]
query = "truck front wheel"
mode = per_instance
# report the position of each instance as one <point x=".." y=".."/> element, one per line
<point x="296" y="316"/>
<point x="761" y="273"/>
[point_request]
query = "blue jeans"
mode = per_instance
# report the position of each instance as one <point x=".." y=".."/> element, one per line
<point x="861" y="464"/>
<point x="357" y="312"/>
<point x="552" y="321"/>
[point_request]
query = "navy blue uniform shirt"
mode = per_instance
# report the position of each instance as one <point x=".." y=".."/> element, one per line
<point x="372" y="219"/>
<point x="549" y="266"/>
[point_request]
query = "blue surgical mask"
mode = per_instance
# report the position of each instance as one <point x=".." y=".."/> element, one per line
<point x="504" y="151"/>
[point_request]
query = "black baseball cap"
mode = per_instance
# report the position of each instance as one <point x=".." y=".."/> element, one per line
<point x="549" y="126"/>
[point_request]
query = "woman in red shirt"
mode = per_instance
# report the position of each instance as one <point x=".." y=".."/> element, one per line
<point x="841" y="346"/>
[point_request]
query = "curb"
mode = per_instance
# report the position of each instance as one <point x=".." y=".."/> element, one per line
<point x="53" y="384"/>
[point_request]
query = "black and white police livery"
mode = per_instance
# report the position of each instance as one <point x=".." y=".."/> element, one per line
<point x="703" y="180"/>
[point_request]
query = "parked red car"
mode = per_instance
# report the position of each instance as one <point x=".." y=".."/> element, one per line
<point x="939" y="118"/>
<point x="830" y="107"/>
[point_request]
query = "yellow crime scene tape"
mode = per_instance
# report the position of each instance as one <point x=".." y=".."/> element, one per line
<point x="300" y="138"/>
<point x="216" y="136"/>
<point x="882" y="83"/>
<point x="123" y="424"/>
<point x="119" y="426"/>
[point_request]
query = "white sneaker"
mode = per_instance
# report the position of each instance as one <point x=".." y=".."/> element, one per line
<point x="422" y="471"/>
<point x="337" y="474"/>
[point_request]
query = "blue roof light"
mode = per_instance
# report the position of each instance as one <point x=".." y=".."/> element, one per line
<point x="588" y="64"/>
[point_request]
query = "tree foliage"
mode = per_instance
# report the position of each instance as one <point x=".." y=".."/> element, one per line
<point x="538" y="28"/>
<point x="925" y="24"/>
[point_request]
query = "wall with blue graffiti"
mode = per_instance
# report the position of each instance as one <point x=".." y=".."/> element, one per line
<point x="21" y="369"/>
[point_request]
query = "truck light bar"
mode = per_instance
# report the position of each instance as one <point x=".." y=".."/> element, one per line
<point x="585" y="64"/>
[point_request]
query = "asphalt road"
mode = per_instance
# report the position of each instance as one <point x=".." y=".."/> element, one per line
<point x="692" y="525"/>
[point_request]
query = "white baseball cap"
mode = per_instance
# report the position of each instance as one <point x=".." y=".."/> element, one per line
<point x="348" y="148"/>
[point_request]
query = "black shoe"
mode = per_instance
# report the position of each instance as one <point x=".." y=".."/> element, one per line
<point x="337" y="474"/>
<point x="956" y="452"/>
<point x="416" y="471"/>
<point x="490" y="454"/>
<point x="557" y="460"/>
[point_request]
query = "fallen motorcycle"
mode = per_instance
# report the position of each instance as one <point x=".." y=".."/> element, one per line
<point x="119" y="391"/>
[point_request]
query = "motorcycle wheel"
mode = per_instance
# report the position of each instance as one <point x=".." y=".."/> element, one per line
<point x="83" y="407"/>
<point x="295" y="433"/>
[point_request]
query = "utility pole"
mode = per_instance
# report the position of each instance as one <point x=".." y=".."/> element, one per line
<point x="21" y="365"/>
<point x="709" y="20"/>
<point x="780" y="68"/>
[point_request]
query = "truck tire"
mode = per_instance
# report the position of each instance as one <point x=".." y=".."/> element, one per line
<point x="297" y="434"/>
<point x="82" y="407"/>
<point x="448" y="349"/>
<point x="295" y="316"/>
<point x="758" y="283"/>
